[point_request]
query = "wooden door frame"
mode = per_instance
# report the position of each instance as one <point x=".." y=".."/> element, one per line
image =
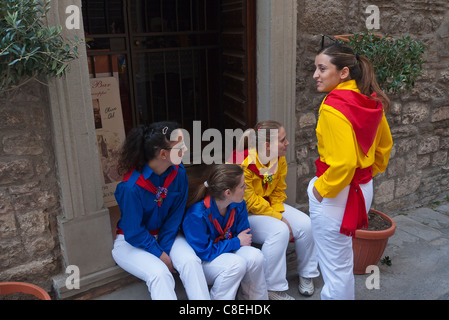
<point x="252" y="61"/>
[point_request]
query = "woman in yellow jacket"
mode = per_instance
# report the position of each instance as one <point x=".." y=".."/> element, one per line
<point x="354" y="144"/>
<point x="274" y="223"/>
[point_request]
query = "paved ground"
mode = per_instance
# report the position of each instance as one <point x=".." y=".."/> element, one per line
<point x="418" y="251"/>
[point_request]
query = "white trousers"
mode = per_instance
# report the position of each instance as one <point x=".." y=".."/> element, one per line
<point x="334" y="250"/>
<point x="155" y="273"/>
<point x="229" y="271"/>
<point x="273" y="234"/>
<point x="189" y="266"/>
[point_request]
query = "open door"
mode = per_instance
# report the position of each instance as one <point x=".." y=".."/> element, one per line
<point x="189" y="60"/>
<point x="239" y="63"/>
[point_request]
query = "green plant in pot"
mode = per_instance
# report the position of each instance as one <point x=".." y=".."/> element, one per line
<point x="398" y="62"/>
<point x="30" y="49"/>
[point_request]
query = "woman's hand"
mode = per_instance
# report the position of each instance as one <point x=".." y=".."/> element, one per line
<point x="317" y="195"/>
<point x="289" y="228"/>
<point x="166" y="259"/>
<point x="245" y="237"/>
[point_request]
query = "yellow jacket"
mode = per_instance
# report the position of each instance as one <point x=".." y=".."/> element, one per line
<point x="338" y="148"/>
<point x="265" y="199"/>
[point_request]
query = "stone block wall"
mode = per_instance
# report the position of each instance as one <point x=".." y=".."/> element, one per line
<point x="418" y="172"/>
<point x="29" y="191"/>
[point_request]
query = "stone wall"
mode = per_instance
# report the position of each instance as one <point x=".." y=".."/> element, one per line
<point x="418" y="172"/>
<point x="29" y="191"/>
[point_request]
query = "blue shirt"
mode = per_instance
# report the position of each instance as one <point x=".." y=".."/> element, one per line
<point x="141" y="214"/>
<point x="201" y="233"/>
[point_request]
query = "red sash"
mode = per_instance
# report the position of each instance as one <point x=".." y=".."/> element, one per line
<point x="226" y="234"/>
<point x="160" y="192"/>
<point x="355" y="216"/>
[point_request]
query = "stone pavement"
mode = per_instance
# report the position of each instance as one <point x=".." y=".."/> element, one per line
<point x="419" y="251"/>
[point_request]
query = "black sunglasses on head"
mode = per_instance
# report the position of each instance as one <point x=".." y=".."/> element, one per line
<point x="323" y="36"/>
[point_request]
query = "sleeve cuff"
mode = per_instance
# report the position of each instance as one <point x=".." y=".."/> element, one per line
<point x="278" y="207"/>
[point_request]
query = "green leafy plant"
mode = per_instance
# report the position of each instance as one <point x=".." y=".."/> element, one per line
<point x="397" y="62"/>
<point x="30" y="49"/>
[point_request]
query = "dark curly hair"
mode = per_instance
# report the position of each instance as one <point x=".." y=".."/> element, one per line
<point x="143" y="143"/>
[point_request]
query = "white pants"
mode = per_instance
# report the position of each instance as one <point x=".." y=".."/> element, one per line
<point x="334" y="250"/>
<point x="155" y="273"/>
<point x="229" y="271"/>
<point x="188" y="264"/>
<point x="273" y="234"/>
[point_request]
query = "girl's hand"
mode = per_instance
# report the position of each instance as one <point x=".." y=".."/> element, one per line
<point x="289" y="228"/>
<point x="245" y="237"/>
<point x="317" y="195"/>
<point x="166" y="259"/>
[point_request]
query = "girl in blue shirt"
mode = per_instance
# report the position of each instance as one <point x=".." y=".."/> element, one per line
<point x="217" y="228"/>
<point x="152" y="199"/>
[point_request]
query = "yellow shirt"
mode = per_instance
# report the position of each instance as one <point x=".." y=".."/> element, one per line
<point x="338" y="148"/>
<point x="267" y="200"/>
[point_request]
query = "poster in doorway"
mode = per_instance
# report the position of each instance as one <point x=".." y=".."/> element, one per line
<point x="110" y="132"/>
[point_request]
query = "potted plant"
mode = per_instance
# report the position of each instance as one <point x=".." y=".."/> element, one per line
<point x="29" y="49"/>
<point x="397" y="62"/>
<point x="7" y="288"/>
<point x="368" y="245"/>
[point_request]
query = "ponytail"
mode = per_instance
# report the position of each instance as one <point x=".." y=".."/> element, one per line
<point x="220" y="178"/>
<point x="361" y="70"/>
<point x="132" y="152"/>
<point x="367" y="83"/>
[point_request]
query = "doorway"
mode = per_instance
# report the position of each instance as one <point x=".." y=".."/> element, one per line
<point x="178" y="60"/>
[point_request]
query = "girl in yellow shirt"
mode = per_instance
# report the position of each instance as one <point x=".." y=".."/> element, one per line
<point x="354" y="144"/>
<point x="274" y="223"/>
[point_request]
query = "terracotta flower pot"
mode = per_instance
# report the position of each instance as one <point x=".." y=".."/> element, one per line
<point x="23" y="287"/>
<point x="368" y="246"/>
<point x="345" y="37"/>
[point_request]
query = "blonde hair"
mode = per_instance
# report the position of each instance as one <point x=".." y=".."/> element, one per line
<point x="262" y="130"/>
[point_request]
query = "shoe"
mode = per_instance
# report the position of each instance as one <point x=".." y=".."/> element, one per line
<point x="279" y="295"/>
<point x="306" y="287"/>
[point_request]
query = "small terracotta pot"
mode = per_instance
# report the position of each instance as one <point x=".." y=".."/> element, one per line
<point x="23" y="287"/>
<point x="368" y="246"/>
<point x="345" y="37"/>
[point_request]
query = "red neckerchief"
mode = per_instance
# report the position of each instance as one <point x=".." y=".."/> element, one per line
<point x="239" y="155"/>
<point x="160" y="192"/>
<point x="363" y="113"/>
<point x="226" y="234"/>
<point x="266" y="179"/>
